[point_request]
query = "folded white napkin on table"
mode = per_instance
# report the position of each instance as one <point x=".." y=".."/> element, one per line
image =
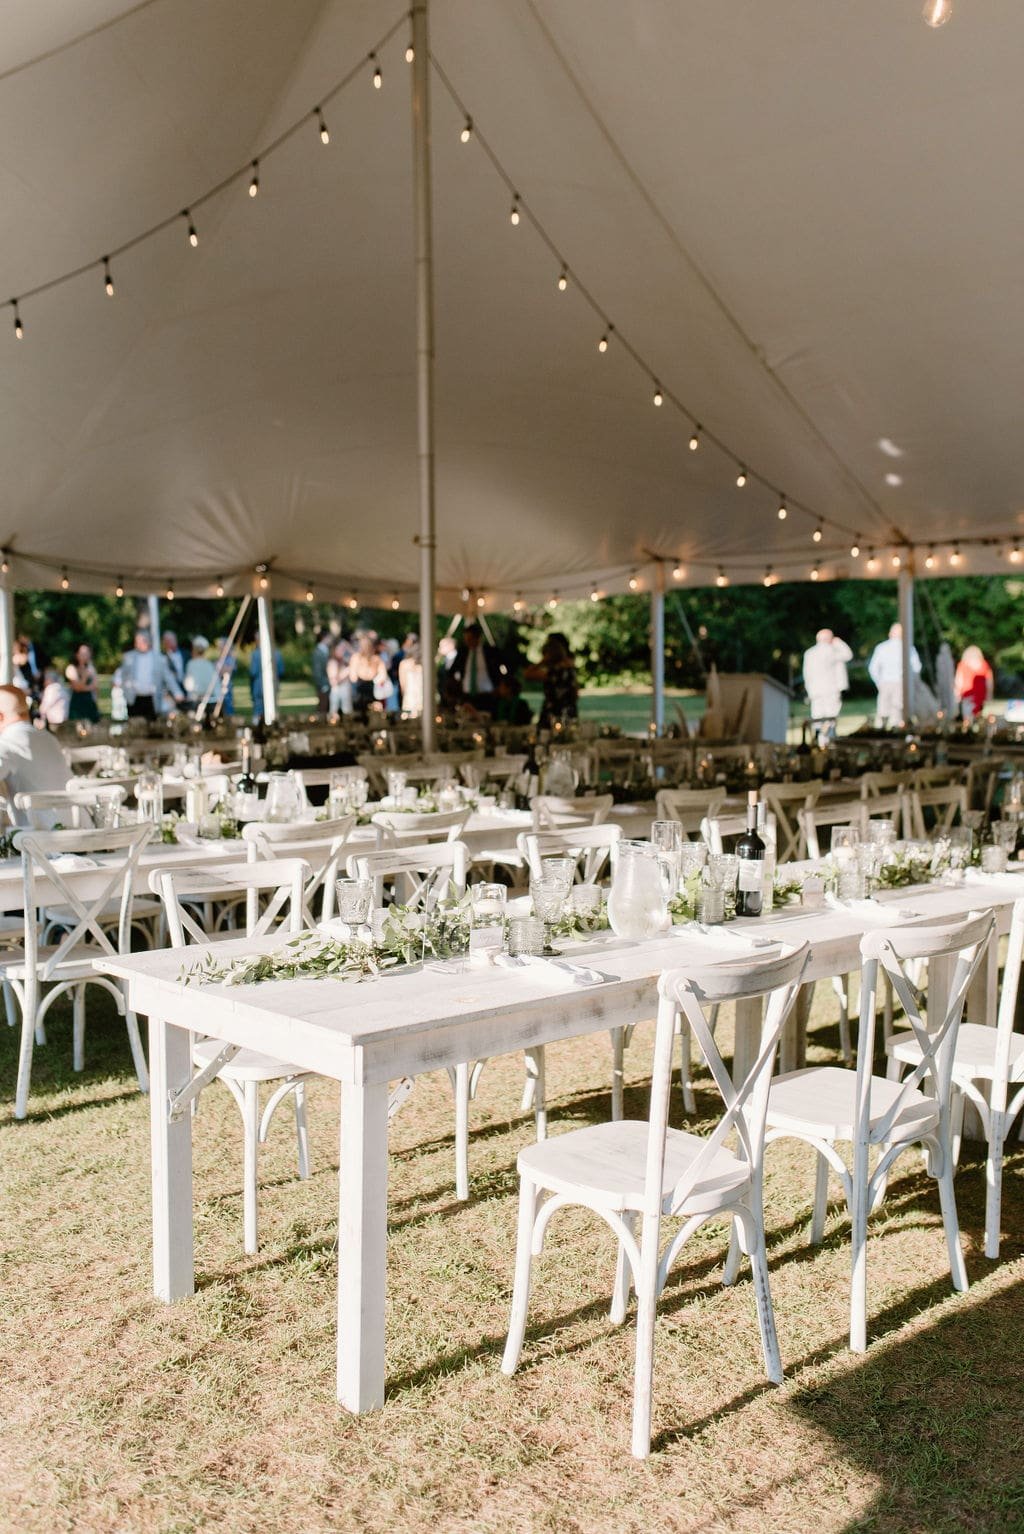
<point x="560" y="970"/>
<point x="67" y="862"/>
<point x="725" y="941"/>
<point x="979" y="876"/>
<point x="873" y="911"/>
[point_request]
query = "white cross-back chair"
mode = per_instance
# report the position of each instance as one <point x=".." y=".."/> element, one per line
<point x="552" y="812"/>
<point x="72" y="806"/>
<point x="492" y="769"/>
<point x="890" y="806"/>
<point x="420" y="876"/>
<point x="593" y="847"/>
<point x="715" y="830"/>
<point x="85" y="892"/>
<point x="414" y="829"/>
<point x="987" y="1064"/>
<point x="320" y="843"/>
<point x="282" y="883"/>
<point x="633" y="1171"/>
<point x="826" y="1105"/>
<point x="688" y="805"/>
<point x="947" y="804"/>
<point x="872" y="784"/>
<point x="786" y="800"/>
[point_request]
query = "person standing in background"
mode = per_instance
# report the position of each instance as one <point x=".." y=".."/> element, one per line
<point x="175" y="668"/>
<point x="53" y="703"/>
<point x="826" y="679"/>
<point x="973" y="683"/>
<point x="320" y="664"/>
<point x="199" y="672"/>
<point x="885" y="669"/>
<point x="84" y="686"/>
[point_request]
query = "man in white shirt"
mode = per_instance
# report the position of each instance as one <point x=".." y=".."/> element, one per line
<point x="31" y="761"/>
<point x="144" y="677"/>
<point x="886" y="671"/>
<point x="826" y="679"/>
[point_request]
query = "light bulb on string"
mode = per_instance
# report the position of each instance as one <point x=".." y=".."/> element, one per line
<point x="741" y="477"/>
<point x="19" y="329"/>
<point x="553" y="601"/>
<point x="769" y="576"/>
<point x="783" y="511"/>
<point x="467" y="130"/>
<point x="395" y="604"/>
<point x="929" y="558"/>
<point x="310" y="594"/>
<point x="721" y="579"/>
<point x="896" y="561"/>
<point x="219" y="588"/>
<point x="64" y="582"/>
<point x="1014" y="554"/>
<point x="352" y="604"/>
<point x="602" y="345"/>
<point x="695" y="438"/>
<point x="872" y="561"/>
<point x="657" y="397"/>
<point x="378" y="78"/>
<point x="518" y="605"/>
<point x="410" y="53"/>
<point x="325" y="137"/>
<point x="514" y="215"/>
<point x="481" y="601"/>
<point x="679" y="573"/>
<point x="595" y="595"/>
<point x="955" y="556"/>
<point x="5" y="564"/>
<point x="937" y="12"/>
<point x="108" y="281"/>
<point x="169" y="593"/>
<point x="855" y="548"/>
<point x="816" y="536"/>
<point x="563" y="279"/>
<point x="254" y="184"/>
<point x="119" y="588"/>
<point x="633" y="582"/>
<point x="193" y="236"/>
<point x="815" y="574"/>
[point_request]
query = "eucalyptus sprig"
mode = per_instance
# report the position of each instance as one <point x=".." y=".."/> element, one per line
<point x="576" y="924"/>
<point x="683" y="905"/>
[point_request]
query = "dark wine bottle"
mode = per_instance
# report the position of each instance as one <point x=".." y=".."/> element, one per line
<point x="750" y="849"/>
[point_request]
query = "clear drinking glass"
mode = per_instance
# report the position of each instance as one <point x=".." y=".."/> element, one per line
<point x="585" y="899"/>
<point x="525" y="936"/>
<point x="667" y="836"/>
<point x="338" y="796"/>
<point x="149" y="793"/>
<point x="355" y="897"/>
<point x="711" y="905"/>
<point x="487" y="905"/>
<point x="845" y="841"/>
<point x="1004" y="834"/>
<point x="993" y="859"/>
<point x="396" y="781"/>
<point x="282" y="798"/>
<point x="692" y="856"/>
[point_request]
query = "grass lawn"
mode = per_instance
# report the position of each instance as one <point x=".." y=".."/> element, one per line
<point x="120" y="1414"/>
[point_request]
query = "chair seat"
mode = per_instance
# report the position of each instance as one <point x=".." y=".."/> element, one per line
<point x="975" y="1051"/>
<point x="247" y="1065"/>
<point x="822" y="1101"/>
<point x="144" y="908"/>
<point x="77" y="966"/>
<point x="606" y="1165"/>
<point x="509" y="855"/>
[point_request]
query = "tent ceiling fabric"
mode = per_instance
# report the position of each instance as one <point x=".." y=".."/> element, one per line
<point x="803" y="216"/>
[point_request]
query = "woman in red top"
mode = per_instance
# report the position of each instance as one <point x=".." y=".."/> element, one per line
<point x="974" y="682"/>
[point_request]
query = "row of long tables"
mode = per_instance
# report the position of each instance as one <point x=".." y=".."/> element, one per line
<point x="368" y="1034"/>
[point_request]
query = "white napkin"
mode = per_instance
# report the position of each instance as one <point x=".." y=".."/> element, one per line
<point x="979" y="876"/>
<point x="736" y="943"/>
<point x="559" y="970"/>
<point x="67" y="862"/>
<point x="872" y="911"/>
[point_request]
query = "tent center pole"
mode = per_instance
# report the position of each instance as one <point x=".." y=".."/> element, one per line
<point x="268" y="670"/>
<point x="658" y="649"/>
<point x="424" y="238"/>
<point x="6" y="635"/>
<point x="905" y="602"/>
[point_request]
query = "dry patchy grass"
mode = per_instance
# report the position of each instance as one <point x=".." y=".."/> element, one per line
<point x="218" y="1413"/>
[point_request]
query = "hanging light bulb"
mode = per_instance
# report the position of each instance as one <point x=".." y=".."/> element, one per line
<point x="602" y="345"/>
<point x="518" y="605"/>
<point x="395" y="604"/>
<point x="633" y="582"/>
<point x="658" y="398"/>
<point x="896" y="561"/>
<point x="481" y="601"/>
<point x="955" y="557"/>
<point x="410" y="53"/>
<point x="741" y="477"/>
<point x="595" y="595"/>
<point x="817" y="534"/>
<point x="783" y="512"/>
<point x="513" y="217"/>
<point x="325" y="137"/>
<point x="353" y="604"/>
<point x="695" y="438"/>
<point x="929" y="558"/>
<point x="553" y="601"/>
<point x="679" y="573"/>
<point x="119" y="588"/>
<point x="254" y="184"/>
<point x="64" y="582"/>
<point x="108" y="281"/>
<point x="5" y="564"/>
<point x="193" y="237"/>
<point x="815" y="574"/>
<point x="19" y="329"/>
<point x="169" y="593"/>
<point x="855" y="547"/>
<point x="1014" y="554"/>
<point x="768" y="576"/>
<point x="872" y="561"/>
<point x="310" y="594"/>
<point x="378" y="78"/>
<point x="219" y="588"/>
<point x="467" y="130"/>
<point x="563" y="279"/>
<point x="721" y="579"/>
<point x="937" y="12"/>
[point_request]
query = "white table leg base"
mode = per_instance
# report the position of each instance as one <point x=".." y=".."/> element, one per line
<point x="362" y="1245"/>
<point x="170" y="1069"/>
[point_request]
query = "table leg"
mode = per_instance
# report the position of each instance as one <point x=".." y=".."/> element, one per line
<point x="748" y="1038"/>
<point x="793" y="1043"/>
<point x="170" y="1069"/>
<point x="362" y="1245"/>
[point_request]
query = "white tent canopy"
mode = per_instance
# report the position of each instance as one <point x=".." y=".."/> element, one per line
<point x="803" y="218"/>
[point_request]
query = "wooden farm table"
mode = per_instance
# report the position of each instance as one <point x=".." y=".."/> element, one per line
<point x="365" y="1035"/>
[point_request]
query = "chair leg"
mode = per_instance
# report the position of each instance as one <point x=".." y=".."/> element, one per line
<point x="461" y="1079"/>
<point x="29" y="1007"/>
<point x="250" y="1134"/>
<point x="535" y="1075"/>
<point x="78" y="1028"/>
<point x="735" y="1255"/>
<point x="131" y="1023"/>
<point x="686" y="1065"/>
<point x="947" y="1199"/>
<point x="958" y="1103"/>
<point x="10" y="1005"/>
<point x="646" y="1307"/>
<point x="841" y="987"/>
<point x="820" y="1202"/>
<point x="528" y="1199"/>
<point x="994" y="1181"/>
<point x="618" y="1070"/>
<point x="858" y="1268"/>
<point x="754" y="1232"/>
<point x="301" y="1129"/>
<point x="623" y="1277"/>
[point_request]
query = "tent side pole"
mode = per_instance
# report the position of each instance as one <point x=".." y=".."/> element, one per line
<point x="905" y="601"/>
<point x="6" y="635"/>
<point x="222" y="660"/>
<point x="658" y="649"/>
<point x="424" y="363"/>
<point x="153" y="602"/>
<point x="265" y="617"/>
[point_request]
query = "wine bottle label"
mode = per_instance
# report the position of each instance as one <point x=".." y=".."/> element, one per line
<point x="750" y="873"/>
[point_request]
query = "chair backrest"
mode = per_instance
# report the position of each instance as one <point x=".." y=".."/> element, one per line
<point x="492" y="769"/>
<point x="786" y="800"/>
<point x="715" y="828"/>
<point x="874" y="783"/>
<point x="835" y="812"/>
<point x="690" y="992"/>
<point x="107" y="882"/>
<point x="412" y="830"/>
<point x="71" y="807"/>
<point x="183" y="889"/>
<point x="961" y="941"/>
<point x="551" y="812"/>
<point x="591" y="846"/>
<point x="420" y="876"/>
<point x="947" y="802"/>
<point x="936" y="777"/>
<point x="688" y="805"/>
<point x="320" y="843"/>
<point x="323" y="777"/>
<point x="891" y="807"/>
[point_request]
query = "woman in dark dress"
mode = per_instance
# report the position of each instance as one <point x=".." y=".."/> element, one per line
<point x="83" y="684"/>
<point x="556" y="670"/>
